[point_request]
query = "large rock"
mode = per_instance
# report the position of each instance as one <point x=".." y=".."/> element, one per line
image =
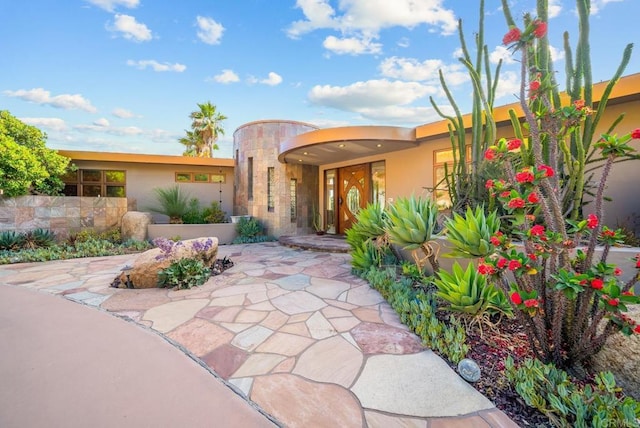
<point x="144" y="273"/>
<point x="621" y="356"/>
<point x="134" y="225"/>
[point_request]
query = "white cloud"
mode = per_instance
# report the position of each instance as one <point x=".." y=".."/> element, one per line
<point x="404" y="42"/>
<point x="102" y="122"/>
<point x="157" y="66"/>
<point x="111" y="130"/>
<point x="64" y="101"/>
<point x="122" y="113"/>
<point x="130" y="29"/>
<point x="52" y="123"/>
<point x="372" y="94"/>
<point x="596" y="5"/>
<point x="273" y="79"/>
<point x="110" y="5"/>
<point x="554" y="8"/>
<point x="502" y="53"/>
<point x="227" y="76"/>
<point x="210" y="31"/>
<point x="402" y="115"/>
<point x="368" y="17"/>
<point x="556" y="54"/>
<point x="427" y="70"/>
<point x="508" y="85"/>
<point x="351" y="45"/>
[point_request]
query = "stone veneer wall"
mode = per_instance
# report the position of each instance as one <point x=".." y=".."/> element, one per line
<point x="63" y="215"/>
<point x="261" y="140"/>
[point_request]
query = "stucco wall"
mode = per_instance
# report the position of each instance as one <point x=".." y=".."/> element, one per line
<point x="410" y="171"/>
<point x="142" y="179"/>
<point x="261" y="141"/>
<point x="63" y="215"/>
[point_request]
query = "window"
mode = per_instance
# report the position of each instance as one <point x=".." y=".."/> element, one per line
<point x="271" y="176"/>
<point x="199" y="177"/>
<point x="250" y="178"/>
<point x="95" y="182"/>
<point x="440" y="188"/>
<point x="378" y="182"/>
<point x="293" y="195"/>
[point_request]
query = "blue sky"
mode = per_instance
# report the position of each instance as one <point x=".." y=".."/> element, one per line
<point x="123" y="75"/>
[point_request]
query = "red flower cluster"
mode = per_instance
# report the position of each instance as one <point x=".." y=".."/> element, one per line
<point x="490" y="154"/>
<point x="516" y="203"/>
<point x="533" y="198"/>
<point x="534" y="85"/>
<point x="540" y="28"/>
<point x="514" y="265"/>
<point x="496" y="239"/>
<point x="635" y="134"/>
<point x="486" y="269"/>
<point x="578" y="104"/>
<point x="489" y="184"/>
<point x="537" y="230"/>
<point x="525" y="176"/>
<point x="548" y="171"/>
<point x="516" y="143"/>
<point x="531" y="303"/>
<point x="512" y="36"/>
<point x="592" y="221"/>
<point x="597" y="284"/>
<point x="516" y="298"/>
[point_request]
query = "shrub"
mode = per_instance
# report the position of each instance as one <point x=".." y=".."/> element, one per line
<point x="567" y="404"/>
<point x="11" y="240"/>
<point x="469" y="292"/>
<point x="184" y="274"/>
<point x="26" y="164"/>
<point x="39" y="238"/>
<point x="173" y="202"/>
<point x="214" y="214"/>
<point x="248" y="227"/>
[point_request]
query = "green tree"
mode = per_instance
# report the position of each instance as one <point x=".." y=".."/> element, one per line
<point x="206" y="122"/>
<point x="26" y="164"/>
<point x="194" y="145"/>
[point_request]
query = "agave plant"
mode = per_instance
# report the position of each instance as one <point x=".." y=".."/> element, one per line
<point x="39" y="238"/>
<point x="369" y="234"/>
<point x="11" y="240"/>
<point x="468" y="292"/>
<point x="471" y="234"/>
<point x="173" y="201"/>
<point x="412" y="224"/>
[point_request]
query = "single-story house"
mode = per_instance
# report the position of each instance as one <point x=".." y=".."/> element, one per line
<point x="285" y="172"/>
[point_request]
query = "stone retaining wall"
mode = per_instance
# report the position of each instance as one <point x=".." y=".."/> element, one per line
<point x="63" y="215"/>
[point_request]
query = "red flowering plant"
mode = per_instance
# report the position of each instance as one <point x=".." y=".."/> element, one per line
<point x="568" y="299"/>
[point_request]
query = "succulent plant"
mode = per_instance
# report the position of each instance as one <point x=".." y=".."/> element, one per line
<point x="469" y="292"/>
<point x="471" y="234"/>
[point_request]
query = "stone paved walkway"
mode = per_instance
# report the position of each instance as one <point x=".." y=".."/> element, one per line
<point x="293" y="331"/>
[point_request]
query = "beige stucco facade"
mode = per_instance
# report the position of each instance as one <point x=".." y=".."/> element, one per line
<point x="144" y="173"/>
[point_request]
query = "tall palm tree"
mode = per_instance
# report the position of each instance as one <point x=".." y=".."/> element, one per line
<point x="206" y="122"/>
<point x="194" y="145"/>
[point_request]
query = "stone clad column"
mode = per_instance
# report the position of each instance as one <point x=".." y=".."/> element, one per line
<point x="260" y="142"/>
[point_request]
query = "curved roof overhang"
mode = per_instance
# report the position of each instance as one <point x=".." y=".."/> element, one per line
<point x="331" y="145"/>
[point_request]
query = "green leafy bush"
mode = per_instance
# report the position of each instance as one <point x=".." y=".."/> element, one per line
<point x="26" y="164"/>
<point x="184" y="274"/>
<point x="469" y="292"/>
<point x="11" y="240"/>
<point x="173" y="202"/>
<point x="214" y="214"/>
<point x="565" y="403"/>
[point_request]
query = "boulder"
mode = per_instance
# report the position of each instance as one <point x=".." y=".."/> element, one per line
<point x="144" y="272"/>
<point x="134" y="225"/>
<point x="621" y="356"/>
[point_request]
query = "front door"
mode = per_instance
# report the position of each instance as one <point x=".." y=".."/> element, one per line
<point x="353" y="194"/>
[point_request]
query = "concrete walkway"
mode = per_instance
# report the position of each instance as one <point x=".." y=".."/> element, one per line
<point x="290" y="330"/>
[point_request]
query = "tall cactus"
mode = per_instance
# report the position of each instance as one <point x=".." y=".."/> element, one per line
<point x="466" y="187"/>
<point x="579" y="160"/>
